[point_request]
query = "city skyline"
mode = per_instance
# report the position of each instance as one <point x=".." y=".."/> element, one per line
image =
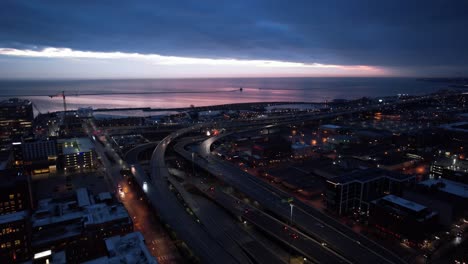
<point x="215" y="131"/>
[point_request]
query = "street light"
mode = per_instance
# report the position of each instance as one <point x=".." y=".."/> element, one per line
<point x="291" y="216"/>
<point x="291" y="205"/>
<point x="193" y="164"/>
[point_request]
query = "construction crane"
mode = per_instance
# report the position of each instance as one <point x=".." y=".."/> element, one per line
<point x="64" y="100"/>
<point x="37" y="109"/>
<point x="64" y="118"/>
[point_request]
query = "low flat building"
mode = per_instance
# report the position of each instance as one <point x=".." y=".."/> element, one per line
<point x="76" y="224"/>
<point x="451" y="168"/>
<point x="449" y="188"/>
<point x="129" y="248"/>
<point x="39" y="156"/>
<point x="272" y="148"/>
<point x="448" y="197"/>
<point x="403" y="219"/>
<point x="301" y="150"/>
<point x="330" y="129"/>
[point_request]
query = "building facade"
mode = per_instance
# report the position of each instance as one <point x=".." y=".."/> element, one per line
<point x="402" y="219"/>
<point x="354" y="191"/>
<point x="39" y="156"/>
<point x="16" y="117"/>
<point x="15" y="191"/>
<point x="76" y="154"/>
<point x="14" y="237"/>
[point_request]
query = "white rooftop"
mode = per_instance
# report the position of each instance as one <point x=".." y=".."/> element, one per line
<point x="404" y="203"/>
<point x="76" y="145"/>
<point x="452" y="187"/>
<point x="129" y="249"/>
<point x="330" y="126"/>
<point x="299" y="145"/>
<point x="82" y="196"/>
<point x="101" y="213"/>
<point x="7" y="218"/>
<point x="104" y="196"/>
<point x="54" y="212"/>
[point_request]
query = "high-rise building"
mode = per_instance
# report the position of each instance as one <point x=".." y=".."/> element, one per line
<point x="15" y="191"/>
<point x="16" y="117"/>
<point x="14" y="237"/>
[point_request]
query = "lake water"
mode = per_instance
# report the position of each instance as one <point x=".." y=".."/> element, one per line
<point x="171" y="93"/>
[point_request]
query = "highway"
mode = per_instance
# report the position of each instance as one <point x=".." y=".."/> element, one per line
<point x="221" y="231"/>
<point x="314" y="250"/>
<point x="345" y="242"/>
<point x="171" y="211"/>
<point x="221" y="226"/>
<point x="216" y="216"/>
<point x="244" y="241"/>
<point x="304" y="244"/>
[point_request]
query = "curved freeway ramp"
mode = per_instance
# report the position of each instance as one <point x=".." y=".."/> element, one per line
<point x="171" y="211"/>
<point x="343" y="240"/>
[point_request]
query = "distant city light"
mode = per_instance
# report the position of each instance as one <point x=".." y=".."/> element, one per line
<point x="145" y="187"/>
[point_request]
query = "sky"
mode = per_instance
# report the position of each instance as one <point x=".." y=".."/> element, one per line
<point x="244" y="38"/>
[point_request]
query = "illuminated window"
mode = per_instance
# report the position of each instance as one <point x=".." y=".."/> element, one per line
<point x="12" y="196"/>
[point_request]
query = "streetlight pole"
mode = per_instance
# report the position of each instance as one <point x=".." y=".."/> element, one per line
<point x="291" y="216"/>
<point x="291" y="205"/>
<point x="193" y="165"/>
